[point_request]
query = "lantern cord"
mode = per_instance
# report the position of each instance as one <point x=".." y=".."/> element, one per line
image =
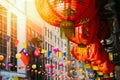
<point x="68" y="48"/>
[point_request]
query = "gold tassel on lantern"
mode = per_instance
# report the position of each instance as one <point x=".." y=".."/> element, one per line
<point x="67" y="29"/>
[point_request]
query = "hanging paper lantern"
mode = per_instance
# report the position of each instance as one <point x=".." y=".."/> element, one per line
<point x="91" y="32"/>
<point x="55" y="49"/>
<point x="52" y="72"/>
<point x="18" y="55"/>
<point x="79" y="52"/>
<point x="52" y="66"/>
<point x="37" y="52"/>
<point x="10" y="65"/>
<point x="83" y="33"/>
<point x="47" y="66"/>
<point x="97" y="53"/>
<point x="1" y="57"/>
<point x="34" y="66"/>
<point x="68" y="14"/>
<point x="68" y="63"/>
<point x="106" y="67"/>
<point x="60" y="64"/>
<point x="43" y="51"/>
<point x="60" y="10"/>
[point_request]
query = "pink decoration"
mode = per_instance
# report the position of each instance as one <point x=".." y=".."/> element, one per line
<point x="52" y="72"/>
<point x="10" y="65"/>
<point x="60" y="64"/>
<point x="37" y="52"/>
<point x="47" y="66"/>
<point x="61" y="72"/>
<point x="55" y="50"/>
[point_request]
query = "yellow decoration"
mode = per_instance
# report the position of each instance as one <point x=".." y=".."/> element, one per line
<point x="15" y="78"/>
<point x="18" y="55"/>
<point x="82" y="50"/>
<point x="87" y="65"/>
<point x="95" y="67"/>
<point x="105" y="76"/>
<point x="31" y="70"/>
<point x="80" y="70"/>
<point x="85" y="20"/>
<point x="111" y="56"/>
<point x="98" y="78"/>
<point x="24" y="45"/>
<point x="43" y="51"/>
<point x="100" y="73"/>
<point x="39" y="72"/>
<point x="59" y="54"/>
<point x="111" y="74"/>
<point x="34" y="66"/>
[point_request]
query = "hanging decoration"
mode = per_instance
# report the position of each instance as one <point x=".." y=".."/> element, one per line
<point x="47" y="66"/>
<point x="18" y="55"/>
<point x="68" y="14"/>
<point x="16" y="42"/>
<point x="60" y="64"/>
<point x="43" y="51"/>
<point x="79" y="52"/>
<point x="91" y="32"/>
<point x="37" y="52"/>
<point x="34" y="66"/>
<point x="73" y="10"/>
<point x="55" y="50"/>
<point x="10" y="65"/>
<point x="1" y="57"/>
<point x="96" y="53"/>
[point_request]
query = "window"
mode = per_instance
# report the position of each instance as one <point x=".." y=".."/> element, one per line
<point x="50" y="35"/>
<point x="13" y="37"/>
<point x="55" y="38"/>
<point x="3" y="30"/>
<point x="45" y="31"/>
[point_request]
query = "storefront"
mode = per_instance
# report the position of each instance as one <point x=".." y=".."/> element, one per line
<point x="9" y="75"/>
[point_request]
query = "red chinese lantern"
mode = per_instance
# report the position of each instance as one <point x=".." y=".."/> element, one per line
<point x="106" y="67"/>
<point x="96" y="53"/>
<point x="77" y="11"/>
<point x="68" y="14"/>
<point x="79" y="52"/>
<point x="92" y="32"/>
<point x="84" y="33"/>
